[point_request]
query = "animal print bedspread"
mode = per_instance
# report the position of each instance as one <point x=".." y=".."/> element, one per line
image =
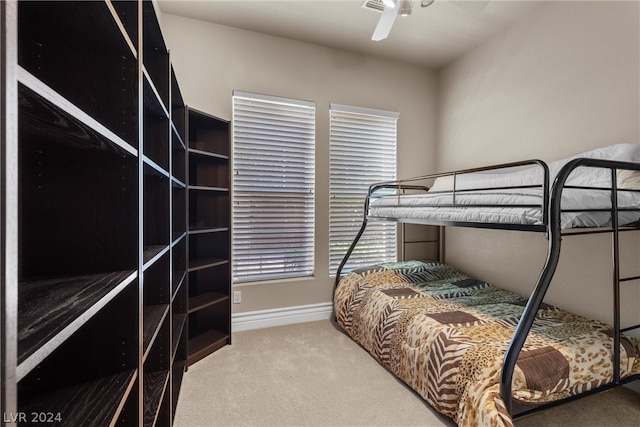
<point x="445" y="335"/>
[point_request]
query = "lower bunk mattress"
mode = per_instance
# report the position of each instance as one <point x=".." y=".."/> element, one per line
<point x="445" y="335"/>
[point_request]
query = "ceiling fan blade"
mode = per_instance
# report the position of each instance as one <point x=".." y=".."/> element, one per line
<point x="385" y="23"/>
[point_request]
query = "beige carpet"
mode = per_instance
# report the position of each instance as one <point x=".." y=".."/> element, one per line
<point x="311" y="374"/>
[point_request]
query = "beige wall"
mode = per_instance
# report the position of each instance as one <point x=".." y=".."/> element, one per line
<point x="212" y="60"/>
<point x="564" y="81"/>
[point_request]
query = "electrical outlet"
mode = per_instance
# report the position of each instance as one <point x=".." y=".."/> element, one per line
<point x="237" y="297"/>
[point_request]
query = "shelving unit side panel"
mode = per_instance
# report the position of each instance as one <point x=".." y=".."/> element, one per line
<point x="8" y="205"/>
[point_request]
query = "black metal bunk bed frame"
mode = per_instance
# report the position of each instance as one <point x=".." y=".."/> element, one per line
<point x="551" y="225"/>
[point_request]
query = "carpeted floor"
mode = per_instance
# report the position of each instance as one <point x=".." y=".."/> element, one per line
<point x="312" y="374"/>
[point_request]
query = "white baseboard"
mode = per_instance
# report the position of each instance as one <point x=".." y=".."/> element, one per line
<point x="280" y="316"/>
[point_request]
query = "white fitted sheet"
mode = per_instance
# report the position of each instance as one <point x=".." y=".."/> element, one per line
<point x="469" y="207"/>
<point x="436" y="204"/>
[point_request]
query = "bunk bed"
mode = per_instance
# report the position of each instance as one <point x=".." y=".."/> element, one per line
<point x="479" y="354"/>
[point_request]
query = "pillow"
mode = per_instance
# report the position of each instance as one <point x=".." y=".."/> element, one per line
<point x="513" y="176"/>
<point x="596" y="177"/>
<point x="628" y="179"/>
<point x="443" y="183"/>
<point x="531" y="175"/>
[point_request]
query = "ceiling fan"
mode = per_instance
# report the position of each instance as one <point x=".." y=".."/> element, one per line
<point x="391" y="9"/>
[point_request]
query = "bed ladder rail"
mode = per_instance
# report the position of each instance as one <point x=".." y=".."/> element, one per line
<point x="553" y="254"/>
<point x="616" y="275"/>
<point x="616" y="279"/>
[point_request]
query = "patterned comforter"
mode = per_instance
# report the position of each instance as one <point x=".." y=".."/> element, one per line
<point x="445" y="334"/>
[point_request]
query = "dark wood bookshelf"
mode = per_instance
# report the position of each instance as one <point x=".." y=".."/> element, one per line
<point x="179" y="368"/>
<point x="153" y="317"/>
<point x="44" y="114"/>
<point x="200" y="264"/>
<point x="155" y="55"/>
<point x="204" y="229"/>
<point x="208" y="133"/>
<point x="59" y="40"/>
<point x="178" y="324"/>
<point x="206" y="343"/>
<point x="178" y="279"/>
<point x="155" y="385"/>
<point x="209" y="234"/>
<point x="205" y="188"/>
<point x="47" y="308"/>
<point x="152" y="251"/>
<point x="177" y="347"/>
<point x="178" y="158"/>
<point x="205" y="300"/>
<point x="207" y="154"/>
<point x="94" y="164"/>
<point x="95" y="403"/>
<point x="128" y="12"/>
<point x="156" y="128"/>
<point x="178" y="112"/>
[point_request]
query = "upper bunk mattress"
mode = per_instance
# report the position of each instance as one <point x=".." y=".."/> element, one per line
<point x="515" y="195"/>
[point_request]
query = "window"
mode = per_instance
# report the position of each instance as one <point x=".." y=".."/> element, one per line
<point x="273" y="187"/>
<point x="363" y="151"/>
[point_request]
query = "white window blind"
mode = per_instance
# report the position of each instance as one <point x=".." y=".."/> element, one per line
<point x="363" y="151"/>
<point x="273" y="187"/>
